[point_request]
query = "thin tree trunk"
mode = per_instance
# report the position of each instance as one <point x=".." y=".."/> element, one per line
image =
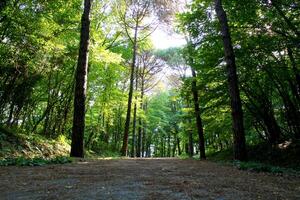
<point x="81" y="84"/>
<point x="174" y="147"/>
<point x="67" y="107"/>
<point x="240" y="152"/>
<point x="198" y="116"/>
<point x="178" y="146"/>
<point x="127" y="122"/>
<point x="135" y="151"/>
<point x="191" y="143"/>
<point x="140" y="138"/>
<point x="169" y="145"/>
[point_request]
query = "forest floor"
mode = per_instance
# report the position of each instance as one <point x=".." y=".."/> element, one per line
<point x="143" y="179"/>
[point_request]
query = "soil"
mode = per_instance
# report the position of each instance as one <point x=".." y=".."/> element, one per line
<point x="143" y="179"/>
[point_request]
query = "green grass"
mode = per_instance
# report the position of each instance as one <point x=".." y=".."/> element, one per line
<point x="22" y="161"/>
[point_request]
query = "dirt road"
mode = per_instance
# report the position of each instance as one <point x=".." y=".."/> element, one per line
<point x="143" y="179"/>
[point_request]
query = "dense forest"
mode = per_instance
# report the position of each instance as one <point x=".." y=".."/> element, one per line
<point x="88" y="71"/>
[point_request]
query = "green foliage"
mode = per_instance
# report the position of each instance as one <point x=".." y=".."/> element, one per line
<point x="259" y="167"/>
<point x="267" y="58"/>
<point x="22" y="161"/>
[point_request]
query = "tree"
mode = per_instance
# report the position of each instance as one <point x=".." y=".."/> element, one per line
<point x="150" y="65"/>
<point x="81" y="84"/>
<point x="236" y="105"/>
<point x="198" y="116"/>
<point x="136" y="11"/>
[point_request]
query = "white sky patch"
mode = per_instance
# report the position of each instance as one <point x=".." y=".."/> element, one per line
<point x="163" y="40"/>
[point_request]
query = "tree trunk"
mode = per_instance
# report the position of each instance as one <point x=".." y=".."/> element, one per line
<point x="178" y="146"/>
<point x="198" y="116"/>
<point x="191" y="144"/>
<point x="236" y="105"/>
<point x="127" y="122"/>
<point x="169" y="145"/>
<point x="140" y="138"/>
<point x="133" y="149"/>
<point x="81" y="84"/>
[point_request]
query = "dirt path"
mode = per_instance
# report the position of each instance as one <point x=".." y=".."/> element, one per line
<point x="143" y="179"/>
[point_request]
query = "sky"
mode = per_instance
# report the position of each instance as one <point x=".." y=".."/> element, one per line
<point x="163" y="40"/>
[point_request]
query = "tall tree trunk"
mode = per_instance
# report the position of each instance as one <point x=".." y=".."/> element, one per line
<point x="134" y="151"/>
<point x="240" y="152"/>
<point x="174" y="147"/>
<point x="140" y="138"/>
<point x="191" y="143"/>
<point x="178" y="145"/>
<point x="81" y="84"/>
<point x="198" y="116"/>
<point x="144" y="139"/>
<point x="127" y="122"/>
<point x="169" y="144"/>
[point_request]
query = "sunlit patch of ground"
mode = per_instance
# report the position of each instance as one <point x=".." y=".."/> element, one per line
<point x="135" y="178"/>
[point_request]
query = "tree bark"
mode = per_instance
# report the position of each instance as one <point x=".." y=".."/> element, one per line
<point x="191" y="144"/>
<point x="169" y="145"/>
<point x="140" y="138"/>
<point x="127" y="122"/>
<point x="81" y="84"/>
<point x="198" y="116"/>
<point x="178" y="146"/>
<point x="134" y="151"/>
<point x="240" y="152"/>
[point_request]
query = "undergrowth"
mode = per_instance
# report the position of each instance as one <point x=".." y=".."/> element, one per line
<point x="22" y="161"/>
<point x="102" y="154"/>
<point x="15" y="144"/>
<point x="259" y="167"/>
<point x="263" y="158"/>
